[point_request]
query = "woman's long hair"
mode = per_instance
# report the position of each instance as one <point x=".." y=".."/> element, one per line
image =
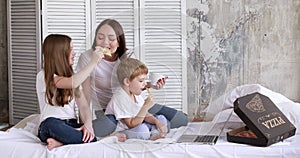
<point x="56" y="49"/>
<point x="119" y="32"/>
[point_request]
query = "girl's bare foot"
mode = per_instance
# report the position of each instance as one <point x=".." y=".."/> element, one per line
<point x="156" y="136"/>
<point x="121" y="136"/>
<point x="52" y="143"/>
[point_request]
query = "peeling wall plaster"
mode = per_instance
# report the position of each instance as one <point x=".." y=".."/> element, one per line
<point x="233" y="42"/>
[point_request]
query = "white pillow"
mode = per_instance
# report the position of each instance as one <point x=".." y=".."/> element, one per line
<point x="221" y="108"/>
<point x="226" y="101"/>
<point x="33" y="124"/>
<point x="292" y="111"/>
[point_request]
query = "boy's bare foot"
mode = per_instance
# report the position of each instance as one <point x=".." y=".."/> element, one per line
<point x="121" y="136"/>
<point x="156" y="136"/>
<point x="52" y="143"/>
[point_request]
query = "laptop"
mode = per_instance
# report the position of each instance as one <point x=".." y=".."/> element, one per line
<point x="208" y="133"/>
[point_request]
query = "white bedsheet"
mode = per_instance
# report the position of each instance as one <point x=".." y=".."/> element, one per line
<point x="21" y="141"/>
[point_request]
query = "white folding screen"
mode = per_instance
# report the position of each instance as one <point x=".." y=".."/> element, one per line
<point x="124" y="11"/>
<point x="162" y="32"/>
<point x="69" y="17"/>
<point x="24" y="57"/>
<point x="154" y="30"/>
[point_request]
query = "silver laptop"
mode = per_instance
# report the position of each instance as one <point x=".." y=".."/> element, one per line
<point x="202" y="139"/>
<point x="207" y="133"/>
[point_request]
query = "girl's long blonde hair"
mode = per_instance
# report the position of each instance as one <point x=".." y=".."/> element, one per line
<point x="56" y="50"/>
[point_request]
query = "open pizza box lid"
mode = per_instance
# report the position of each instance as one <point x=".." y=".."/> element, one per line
<point x="263" y="118"/>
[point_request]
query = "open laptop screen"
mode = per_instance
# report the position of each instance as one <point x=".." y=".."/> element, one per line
<point x="208" y="133"/>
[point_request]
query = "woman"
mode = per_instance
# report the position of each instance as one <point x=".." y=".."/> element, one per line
<point x="59" y="95"/>
<point x="101" y="82"/>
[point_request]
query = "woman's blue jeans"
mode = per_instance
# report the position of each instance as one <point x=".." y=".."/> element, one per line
<point x="61" y="130"/>
<point x="106" y="124"/>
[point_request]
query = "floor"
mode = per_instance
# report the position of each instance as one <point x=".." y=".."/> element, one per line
<point x="4" y="126"/>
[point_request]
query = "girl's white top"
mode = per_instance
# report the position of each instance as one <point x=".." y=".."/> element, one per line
<point x="47" y="110"/>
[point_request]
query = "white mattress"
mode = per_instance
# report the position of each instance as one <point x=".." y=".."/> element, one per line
<point x="20" y="143"/>
<point x="21" y="140"/>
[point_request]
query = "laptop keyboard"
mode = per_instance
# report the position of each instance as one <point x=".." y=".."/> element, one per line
<point x="207" y="139"/>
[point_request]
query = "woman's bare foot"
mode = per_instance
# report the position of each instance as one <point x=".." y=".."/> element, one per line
<point x="156" y="136"/>
<point x="121" y="136"/>
<point x="52" y="143"/>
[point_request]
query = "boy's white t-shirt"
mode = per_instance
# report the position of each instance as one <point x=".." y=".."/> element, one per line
<point x="47" y="110"/>
<point x="122" y="106"/>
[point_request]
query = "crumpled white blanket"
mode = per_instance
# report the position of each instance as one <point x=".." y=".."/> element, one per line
<point x="21" y="142"/>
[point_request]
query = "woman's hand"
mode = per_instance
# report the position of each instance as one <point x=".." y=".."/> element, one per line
<point x="159" y="84"/>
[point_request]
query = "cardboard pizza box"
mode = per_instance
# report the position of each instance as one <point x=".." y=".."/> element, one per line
<point x="265" y="123"/>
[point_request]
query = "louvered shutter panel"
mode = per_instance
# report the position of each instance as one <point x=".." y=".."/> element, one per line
<point x="24" y="60"/>
<point x="69" y="17"/>
<point x="163" y="48"/>
<point x="124" y="12"/>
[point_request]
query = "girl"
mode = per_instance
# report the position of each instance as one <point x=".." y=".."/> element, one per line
<point x="59" y="95"/>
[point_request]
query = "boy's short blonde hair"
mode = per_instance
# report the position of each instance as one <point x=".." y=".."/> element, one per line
<point x="130" y="68"/>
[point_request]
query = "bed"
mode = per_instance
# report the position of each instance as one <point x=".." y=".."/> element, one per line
<point x="21" y="140"/>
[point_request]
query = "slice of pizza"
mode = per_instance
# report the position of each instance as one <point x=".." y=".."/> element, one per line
<point x="105" y="51"/>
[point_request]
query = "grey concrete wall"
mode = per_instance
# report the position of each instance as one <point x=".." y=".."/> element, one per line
<point x="235" y="42"/>
<point x="3" y="64"/>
